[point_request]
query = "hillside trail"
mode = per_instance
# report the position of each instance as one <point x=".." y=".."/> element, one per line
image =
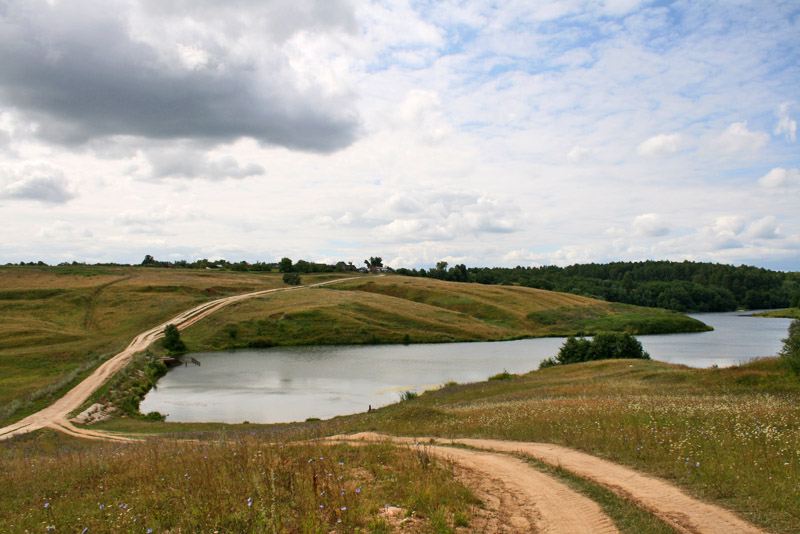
<point x="56" y="416"/>
<point x="665" y="501"/>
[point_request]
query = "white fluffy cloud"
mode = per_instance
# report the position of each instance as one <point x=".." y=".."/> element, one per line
<point x="780" y="177"/>
<point x="737" y="138"/>
<point x="650" y="225"/>
<point x="661" y="145"/>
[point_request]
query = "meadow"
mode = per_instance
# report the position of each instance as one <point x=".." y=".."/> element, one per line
<point x="238" y="484"/>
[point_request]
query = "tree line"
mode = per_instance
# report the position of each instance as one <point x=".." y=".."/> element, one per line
<point x="682" y="286"/>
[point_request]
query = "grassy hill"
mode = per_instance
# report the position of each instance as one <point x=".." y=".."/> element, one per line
<point x="397" y="309"/>
<point x="58" y="323"/>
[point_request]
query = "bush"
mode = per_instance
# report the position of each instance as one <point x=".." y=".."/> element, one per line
<point x="790" y="353"/>
<point x="408" y="395"/>
<point x="604" y="346"/>
<point x="505" y="375"/>
<point x="293" y="279"/>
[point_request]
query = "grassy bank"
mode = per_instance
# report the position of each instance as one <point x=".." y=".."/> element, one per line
<point x="242" y="484"/>
<point x="395" y="309"/>
<point x="788" y="313"/>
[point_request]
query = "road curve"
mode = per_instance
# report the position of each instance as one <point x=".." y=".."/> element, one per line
<point x="667" y="502"/>
<point x="56" y="415"/>
<point x="521" y="498"/>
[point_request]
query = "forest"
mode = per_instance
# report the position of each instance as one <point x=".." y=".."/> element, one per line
<point x="681" y="286"/>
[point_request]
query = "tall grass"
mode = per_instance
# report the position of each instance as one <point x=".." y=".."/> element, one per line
<point x="243" y="485"/>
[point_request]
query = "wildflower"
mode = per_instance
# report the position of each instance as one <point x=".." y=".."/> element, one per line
<point x="149" y="531"/>
<point x="358" y="490"/>
<point x="341" y="463"/>
<point x="344" y="508"/>
<point x="47" y="505"/>
<point x="249" y="501"/>
<point x="102" y="506"/>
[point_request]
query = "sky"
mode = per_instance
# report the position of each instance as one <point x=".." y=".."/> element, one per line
<point x="490" y="133"/>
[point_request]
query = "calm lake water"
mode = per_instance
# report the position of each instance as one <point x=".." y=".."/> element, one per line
<point x="294" y="383"/>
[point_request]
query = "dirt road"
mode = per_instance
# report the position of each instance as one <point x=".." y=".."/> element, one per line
<point x="665" y="501"/>
<point x="56" y="415"/>
<point x="517" y="497"/>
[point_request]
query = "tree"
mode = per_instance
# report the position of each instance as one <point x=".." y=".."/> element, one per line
<point x="790" y="353"/>
<point x="375" y="261"/>
<point x="172" y="340"/>
<point x="293" y="279"/>
<point x="148" y="260"/>
<point x="285" y="265"/>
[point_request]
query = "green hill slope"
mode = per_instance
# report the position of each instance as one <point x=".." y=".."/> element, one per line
<point x="397" y="309"/>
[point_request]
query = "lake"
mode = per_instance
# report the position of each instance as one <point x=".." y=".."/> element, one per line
<point x="285" y="384"/>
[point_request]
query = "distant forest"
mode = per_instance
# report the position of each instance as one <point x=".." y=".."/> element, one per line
<point x="681" y="286"/>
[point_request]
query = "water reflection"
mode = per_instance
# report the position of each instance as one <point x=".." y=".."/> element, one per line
<point x="296" y="383"/>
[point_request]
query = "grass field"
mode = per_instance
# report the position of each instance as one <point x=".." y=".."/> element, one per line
<point x="240" y="484"/>
<point x="396" y="309"/>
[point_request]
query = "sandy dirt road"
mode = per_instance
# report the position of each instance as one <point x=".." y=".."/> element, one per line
<point x="518" y="498"/>
<point x="665" y="501"/>
<point x="56" y="415"/>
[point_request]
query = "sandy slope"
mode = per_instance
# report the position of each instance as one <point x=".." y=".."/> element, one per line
<point x="56" y="415"/>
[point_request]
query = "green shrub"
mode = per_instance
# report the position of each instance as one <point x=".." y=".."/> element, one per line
<point x="604" y="346"/>
<point x="505" y="375"/>
<point x="408" y="395"/>
<point x="293" y="279"/>
<point x="790" y="353"/>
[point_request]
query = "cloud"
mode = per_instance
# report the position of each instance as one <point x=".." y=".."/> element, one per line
<point x="737" y="138"/>
<point x="41" y="182"/>
<point x="185" y="161"/>
<point x="93" y="68"/>
<point x="650" y="225"/>
<point x="438" y="216"/>
<point x="785" y="124"/>
<point x="780" y="177"/>
<point x="764" y="228"/>
<point x="579" y="153"/>
<point x="660" y="145"/>
<point x="729" y="225"/>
